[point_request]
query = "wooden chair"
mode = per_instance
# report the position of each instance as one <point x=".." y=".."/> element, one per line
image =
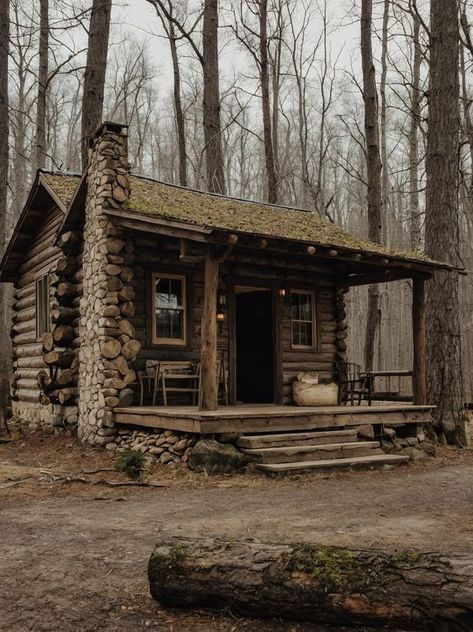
<point x="148" y="380"/>
<point x="172" y="378"/>
<point x="354" y="384"/>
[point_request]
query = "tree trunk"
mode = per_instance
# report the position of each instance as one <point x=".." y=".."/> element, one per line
<point x="442" y="239"/>
<point x="416" y="96"/>
<point x="211" y="103"/>
<point x="373" y="167"/>
<point x="316" y="583"/>
<point x="180" y="123"/>
<point x="40" y="141"/>
<point x="271" y="176"/>
<point x="95" y="70"/>
<point x="5" y="290"/>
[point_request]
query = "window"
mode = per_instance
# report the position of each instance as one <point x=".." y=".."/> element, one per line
<point x="169" y="309"/>
<point x="302" y="319"/>
<point x="43" y="322"/>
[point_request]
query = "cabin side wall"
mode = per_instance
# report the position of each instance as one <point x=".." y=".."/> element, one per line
<point x="40" y="258"/>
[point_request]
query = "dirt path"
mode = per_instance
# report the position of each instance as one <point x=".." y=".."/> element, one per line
<point x="74" y="555"/>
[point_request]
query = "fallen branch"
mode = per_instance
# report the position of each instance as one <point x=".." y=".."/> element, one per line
<point x="17" y="482"/>
<point x="408" y="590"/>
<point x="77" y="477"/>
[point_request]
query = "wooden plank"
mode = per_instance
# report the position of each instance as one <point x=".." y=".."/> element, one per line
<point x="156" y="421"/>
<point x="208" y="357"/>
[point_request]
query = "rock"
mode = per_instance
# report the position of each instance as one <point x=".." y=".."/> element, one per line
<point x="166" y="457"/>
<point x="420" y="436"/>
<point x="367" y="432"/>
<point x="180" y="445"/>
<point x="213" y="457"/>
<point x="415" y="454"/>
<point x="412" y="441"/>
<point x="389" y="433"/>
<point x="428" y="448"/>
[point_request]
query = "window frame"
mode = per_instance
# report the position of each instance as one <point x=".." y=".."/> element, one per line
<point x="313" y="321"/>
<point x="42" y="276"/>
<point x="169" y="342"/>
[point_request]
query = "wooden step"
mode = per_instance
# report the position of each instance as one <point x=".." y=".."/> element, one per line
<point x="289" y="454"/>
<point x="297" y="438"/>
<point x="377" y="460"/>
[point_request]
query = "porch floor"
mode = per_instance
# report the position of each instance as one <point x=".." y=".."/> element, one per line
<point x="264" y="417"/>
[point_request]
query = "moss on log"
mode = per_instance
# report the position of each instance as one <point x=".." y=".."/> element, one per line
<point x="408" y="590"/>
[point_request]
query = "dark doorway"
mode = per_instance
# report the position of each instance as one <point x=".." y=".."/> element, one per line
<point x="254" y="346"/>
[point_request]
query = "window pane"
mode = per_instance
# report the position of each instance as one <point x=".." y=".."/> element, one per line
<point x="170" y="309"/>
<point x="302" y="319"/>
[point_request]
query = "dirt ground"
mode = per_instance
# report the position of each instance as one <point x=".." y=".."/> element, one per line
<point x="74" y="552"/>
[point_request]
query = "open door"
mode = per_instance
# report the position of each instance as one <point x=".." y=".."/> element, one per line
<point x="254" y="345"/>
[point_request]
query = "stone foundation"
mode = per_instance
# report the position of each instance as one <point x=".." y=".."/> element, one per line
<point x="160" y="446"/>
<point x="53" y="415"/>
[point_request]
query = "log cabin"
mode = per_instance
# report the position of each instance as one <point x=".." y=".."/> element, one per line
<point x="114" y="272"/>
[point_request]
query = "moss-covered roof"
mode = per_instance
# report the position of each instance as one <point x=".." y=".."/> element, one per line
<point x="150" y="197"/>
<point x="181" y="204"/>
<point x="63" y="185"/>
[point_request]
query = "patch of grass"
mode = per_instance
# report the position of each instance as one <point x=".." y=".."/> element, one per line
<point x="131" y="462"/>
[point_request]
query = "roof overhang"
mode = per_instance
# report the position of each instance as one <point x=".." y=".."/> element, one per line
<point x="352" y="266"/>
<point x="41" y="196"/>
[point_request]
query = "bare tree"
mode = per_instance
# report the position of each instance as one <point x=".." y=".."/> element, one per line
<point x="94" y="77"/>
<point x="40" y="141"/>
<point x="442" y="236"/>
<point x="373" y="166"/>
<point x="4" y="129"/>
<point x="170" y="30"/>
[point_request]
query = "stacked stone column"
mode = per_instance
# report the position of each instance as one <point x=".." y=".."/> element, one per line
<point x="108" y="344"/>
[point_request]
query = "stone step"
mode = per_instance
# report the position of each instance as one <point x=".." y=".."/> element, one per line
<point x="289" y="454"/>
<point x="377" y="460"/>
<point x="297" y="438"/>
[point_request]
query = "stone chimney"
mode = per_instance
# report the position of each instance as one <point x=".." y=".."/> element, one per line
<point x="107" y="337"/>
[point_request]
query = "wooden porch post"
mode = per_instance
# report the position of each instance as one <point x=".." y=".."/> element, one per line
<point x="208" y="345"/>
<point x="419" y="380"/>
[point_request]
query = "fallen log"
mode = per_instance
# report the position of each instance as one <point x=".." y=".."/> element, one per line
<point x="408" y="590"/>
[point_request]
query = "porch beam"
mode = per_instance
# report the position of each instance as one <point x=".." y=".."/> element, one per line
<point x="419" y="380"/>
<point x="208" y="343"/>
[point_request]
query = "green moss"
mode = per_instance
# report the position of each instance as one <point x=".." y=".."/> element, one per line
<point x="64" y="186"/>
<point x="337" y="570"/>
<point x="150" y="197"/>
<point x="160" y="564"/>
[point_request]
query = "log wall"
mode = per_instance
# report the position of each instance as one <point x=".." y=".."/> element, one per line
<point x="27" y="349"/>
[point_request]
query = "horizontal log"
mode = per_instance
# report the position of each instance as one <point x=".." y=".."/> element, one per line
<point x="67" y="394"/>
<point x="35" y="362"/>
<point x="63" y="335"/>
<point x="66" y="265"/>
<point x="25" y="327"/>
<point x="64" y="315"/>
<point x="27" y="395"/>
<point x="62" y="359"/>
<point x="33" y="350"/>
<point x="25" y="314"/>
<point x="70" y="241"/>
<point x="401" y="589"/>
